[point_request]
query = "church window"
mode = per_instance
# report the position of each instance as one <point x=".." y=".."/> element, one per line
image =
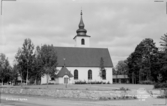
<point x="104" y="74"/>
<point x="75" y="74"/>
<point x="90" y="74"/>
<point x="82" y="41"/>
<point x="52" y="78"/>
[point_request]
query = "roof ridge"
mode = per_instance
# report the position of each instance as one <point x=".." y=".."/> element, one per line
<point x="80" y="47"/>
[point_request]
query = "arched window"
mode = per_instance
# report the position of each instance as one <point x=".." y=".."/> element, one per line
<point x="75" y="74"/>
<point x="52" y="79"/>
<point x="90" y="74"/>
<point x="82" y="41"/>
<point x="104" y="74"/>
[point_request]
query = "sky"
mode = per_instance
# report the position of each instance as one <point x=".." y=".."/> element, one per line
<point x="119" y="25"/>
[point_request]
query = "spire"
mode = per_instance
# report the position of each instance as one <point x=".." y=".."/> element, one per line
<point x="81" y="30"/>
<point x="81" y="24"/>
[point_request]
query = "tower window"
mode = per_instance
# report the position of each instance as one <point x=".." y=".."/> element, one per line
<point x="82" y="41"/>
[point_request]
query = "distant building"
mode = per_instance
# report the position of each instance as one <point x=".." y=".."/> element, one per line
<point x="120" y="79"/>
<point x="81" y="63"/>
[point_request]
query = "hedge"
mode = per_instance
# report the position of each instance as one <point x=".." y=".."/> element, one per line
<point x="160" y="85"/>
<point x="93" y="82"/>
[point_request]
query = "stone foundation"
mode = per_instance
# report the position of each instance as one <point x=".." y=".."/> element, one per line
<point x="80" y="94"/>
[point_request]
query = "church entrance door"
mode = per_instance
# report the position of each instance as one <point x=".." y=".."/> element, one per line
<point x="66" y="80"/>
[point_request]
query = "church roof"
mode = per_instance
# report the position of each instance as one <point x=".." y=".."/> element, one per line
<point x="83" y="57"/>
<point x="64" y="71"/>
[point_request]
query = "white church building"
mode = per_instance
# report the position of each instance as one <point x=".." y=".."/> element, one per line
<point x="82" y="62"/>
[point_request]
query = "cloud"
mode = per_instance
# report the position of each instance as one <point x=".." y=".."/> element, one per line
<point x="118" y="25"/>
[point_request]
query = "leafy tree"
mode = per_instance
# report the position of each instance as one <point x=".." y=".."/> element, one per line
<point x="159" y="77"/>
<point x="37" y="65"/>
<point x="163" y="58"/>
<point x="122" y="67"/>
<point x="101" y="67"/>
<point x="19" y="64"/>
<point x="163" y="41"/>
<point x="24" y="59"/>
<point x="141" y="60"/>
<point x="14" y="74"/>
<point x="163" y="65"/>
<point x="4" y="68"/>
<point x="49" y="60"/>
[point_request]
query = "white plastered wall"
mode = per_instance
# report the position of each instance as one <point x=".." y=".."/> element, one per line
<point x="61" y="80"/>
<point x="83" y="75"/>
<point x="78" y="41"/>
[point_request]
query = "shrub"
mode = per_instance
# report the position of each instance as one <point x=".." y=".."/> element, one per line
<point x="104" y="82"/>
<point x="162" y="96"/>
<point x="103" y="98"/>
<point x="134" y="97"/>
<point x="93" y="82"/>
<point x="160" y="85"/>
<point x="124" y="89"/>
<point x="80" y="82"/>
<point x="114" y="98"/>
<point x="147" y="82"/>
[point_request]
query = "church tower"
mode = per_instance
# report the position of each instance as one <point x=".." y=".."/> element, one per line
<point x="81" y="39"/>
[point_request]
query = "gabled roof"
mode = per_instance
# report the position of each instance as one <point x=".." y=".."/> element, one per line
<point x="83" y="57"/>
<point x="64" y="71"/>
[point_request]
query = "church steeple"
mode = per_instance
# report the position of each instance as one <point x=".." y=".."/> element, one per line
<point x="82" y="39"/>
<point x="81" y="24"/>
<point x="81" y="31"/>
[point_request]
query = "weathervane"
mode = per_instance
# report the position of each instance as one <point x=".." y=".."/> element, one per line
<point x="162" y="1"/>
<point x="5" y="0"/>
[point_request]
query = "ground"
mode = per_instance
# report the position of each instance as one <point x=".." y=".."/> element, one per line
<point x="18" y="100"/>
<point x="34" y="101"/>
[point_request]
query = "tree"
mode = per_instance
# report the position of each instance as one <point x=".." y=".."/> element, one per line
<point x="122" y="67"/>
<point x="101" y="67"/>
<point x="19" y="64"/>
<point x="163" y="58"/>
<point x="24" y="59"/>
<point x="49" y="60"/>
<point x="14" y="74"/>
<point x="163" y="41"/>
<point x="37" y="65"/>
<point x="141" y="60"/>
<point x="4" y="68"/>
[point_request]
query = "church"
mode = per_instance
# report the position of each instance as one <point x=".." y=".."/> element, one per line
<point x="82" y="62"/>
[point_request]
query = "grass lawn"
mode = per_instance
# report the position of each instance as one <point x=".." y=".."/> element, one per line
<point x="88" y="86"/>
